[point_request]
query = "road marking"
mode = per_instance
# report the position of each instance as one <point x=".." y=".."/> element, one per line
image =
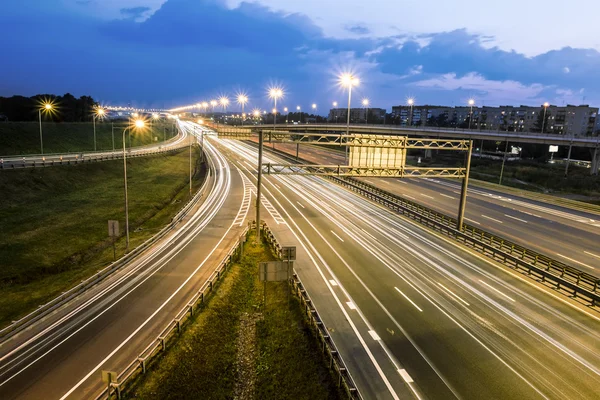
<point x="596" y="225"/>
<point x="405" y="376"/>
<point x="591" y="254"/>
<point x="366" y="180"/>
<point x="528" y="213"/>
<point x="402" y="182"/>
<point x="454" y="191"/>
<point x="473" y="221"/>
<point x="453" y="294"/>
<point x="575" y="261"/>
<point x="407" y="196"/>
<point x="374" y="335"/>
<point x="493" y="219"/>
<point x="300" y="204"/>
<point x="424" y="195"/>
<point x="333" y="282"/>
<point x="493" y="288"/>
<point x="445" y="195"/>
<point x="406" y="297"/>
<point x="385" y="181"/>
<point x="336" y="235"/>
<point x="518" y="219"/>
<point x="351" y="305"/>
<point x="277" y="186"/>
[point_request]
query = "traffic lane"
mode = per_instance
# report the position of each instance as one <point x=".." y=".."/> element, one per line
<point x="131" y="315"/>
<point x="403" y="347"/>
<point x="573" y="245"/>
<point x="587" y="334"/>
<point x="365" y="359"/>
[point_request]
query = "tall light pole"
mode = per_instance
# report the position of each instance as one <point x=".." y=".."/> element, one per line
<point x="139" y="124"/>
<point x="204" y="107"/>
<point x="275" y="93"/>
<point x="46" y="108"/>
<point x="365" y="103"/>
<point x="411" y="103"/>
<point x="224" y="102"/>
<point x="298" y="109"/>
<point x="348" y="81"/>
<point x="285" y="110"/>
<point x="314" y="108"/>
<point x="471" y="103"/>
<point x="99" y="113"/>
<point x="335" y="104"/>
<point x="242" y="99"/>
<point x="546" y="105"/>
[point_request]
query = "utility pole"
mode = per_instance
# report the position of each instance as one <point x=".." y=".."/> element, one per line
<point x="503" y="162"/>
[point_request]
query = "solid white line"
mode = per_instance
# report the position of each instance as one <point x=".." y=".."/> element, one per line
<point x="445" y="195"/>
<point x="335" y="234"/>
<point x="493" y="219"/>
<point x="575" y="261"/>
<point x="473" y="221"/>
<point x="351" y="305"/>
<point x="401" y="181"/>
<point x="405" y="376"/>
<point x="385" y="181"/>
<point x="407" y="196"/>
<point x="333" y="282"/>
<point x="591" y="254"/>
<point x="300" y="204"/>
<point x="453" y="294"/>
<point x="493" y="288"/>
<point x="424" y="195"/>
<point x="406" y="297"/>
<point x="518" y="219"/>
<point x="374" y="335"/>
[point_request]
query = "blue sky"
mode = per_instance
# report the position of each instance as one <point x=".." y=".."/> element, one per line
<point x="166" y="53"/>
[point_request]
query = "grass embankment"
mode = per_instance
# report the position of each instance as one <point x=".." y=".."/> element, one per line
<point x="54" y="221"/>
<point x="18" y="138"/>
<point x="223" y="355"/>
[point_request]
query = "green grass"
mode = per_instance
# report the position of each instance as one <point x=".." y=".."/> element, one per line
<point x="18" y="138"/>
<point x="201" y="363"/>
<point x="54" y="221"/>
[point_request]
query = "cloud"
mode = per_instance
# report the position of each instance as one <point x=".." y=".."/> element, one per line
<point x="134" y="12"/>
<point x="358" y="29"/>
<point x="566" y="70"/>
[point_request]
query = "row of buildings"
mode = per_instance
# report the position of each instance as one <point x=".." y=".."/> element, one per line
<point x="571" y="120"/>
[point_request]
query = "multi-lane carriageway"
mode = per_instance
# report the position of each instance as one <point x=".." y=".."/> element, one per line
<point x="413" y="314"/>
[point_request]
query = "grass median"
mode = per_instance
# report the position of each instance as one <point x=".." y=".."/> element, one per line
<point x="234" y="348"/>
<point x="18" y="138"/>
<point x="54" y="221"/>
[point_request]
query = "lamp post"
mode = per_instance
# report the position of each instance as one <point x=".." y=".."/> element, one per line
<point x="411" y="103"/>
<point x="546" y="105"/>
<point x="285" y="110"/>
<point x="335" y="104"/>
<point x="298" y="109"/>
<point x="98" y="114"/>
<point x="275" y="93"/>
<point x="365" y="103"/>
<point x="139" y="124"/>
<point x="242" y="99"/>
<point x="348" y="81"/>
<point x="47" y="107"/>
<point x="471" y="103"/>
<point x="314" y="108"/>
<point x="224" y="102"/>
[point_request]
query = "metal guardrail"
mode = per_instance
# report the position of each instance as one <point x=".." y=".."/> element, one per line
<point x="538" y="266"/>
<point x="159" y="344"/>
<point x="98" y="277"/>
<point x="336" y="363"/>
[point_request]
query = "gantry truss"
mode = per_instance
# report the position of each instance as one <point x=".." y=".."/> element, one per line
<point x="344" y="170"/>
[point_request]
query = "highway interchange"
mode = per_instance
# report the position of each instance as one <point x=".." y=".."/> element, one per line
<point x="413" y="314"/>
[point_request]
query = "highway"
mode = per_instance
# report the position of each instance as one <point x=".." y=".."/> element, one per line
<point x="106" y="328"/>
<point x="568" y="235"/>
<point x="49" y="160"/>
<point x="415" y="315"/>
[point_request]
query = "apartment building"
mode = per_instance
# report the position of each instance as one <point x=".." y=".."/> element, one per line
<point x="357" y="115"/>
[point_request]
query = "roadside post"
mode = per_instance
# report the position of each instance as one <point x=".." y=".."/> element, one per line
<point x="109" y="377"/>
<point x="113" y="233"/>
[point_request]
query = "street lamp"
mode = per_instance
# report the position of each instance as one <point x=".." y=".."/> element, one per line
<point x="335" y="104"/>
<point x="139" y="124"/>
<point x="298" y="109"/>
<point x="275" y="93"/>
<point x="98" y="114"/>
<point x="204" y="106"/>
<point x="365" y="103"/>
<point x="471" y="103"/>
<point x="411" y="103"/>
<point x="46" y="108"/>
<point x="546" y="105"/>
<point x="242" y="99"/>
<point x="285" y="110"/>
<point x="348" y="81"/>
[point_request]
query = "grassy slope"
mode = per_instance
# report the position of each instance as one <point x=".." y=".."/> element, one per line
<point x="201" y="363"/>
<point x="24" y="137"/>
<point x="54" y="221"/>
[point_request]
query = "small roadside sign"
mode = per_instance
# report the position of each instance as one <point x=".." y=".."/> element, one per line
<point x="113" y="228"/>
<point x="109" y="376"/>
<point x="275" y="271"/>
<point x="288" y="253"/>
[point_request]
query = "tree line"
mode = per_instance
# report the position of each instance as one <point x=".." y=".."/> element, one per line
<point x="67" y="108"/>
